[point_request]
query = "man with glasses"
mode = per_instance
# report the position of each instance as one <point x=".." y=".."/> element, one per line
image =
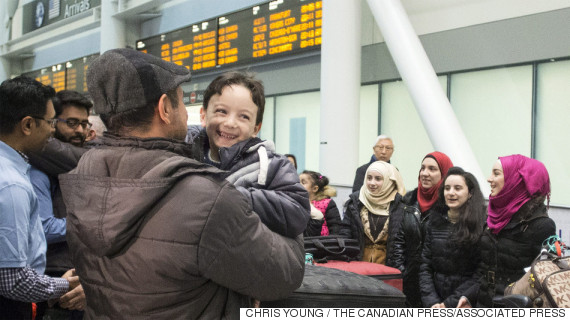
<point x="72" y="113"/>
<point x="72" y="125"/>
<point x="26" y="123"/>
<point x="383" y="150"/>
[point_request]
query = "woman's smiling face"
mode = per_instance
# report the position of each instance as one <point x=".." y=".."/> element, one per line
<point x="374" y="181"/>
<point x="455" y="192"/>
<point x="497" y="178"/>
<point x="430" y="175"/>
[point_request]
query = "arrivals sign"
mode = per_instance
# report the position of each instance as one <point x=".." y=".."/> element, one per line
<point x="40" y="13"/>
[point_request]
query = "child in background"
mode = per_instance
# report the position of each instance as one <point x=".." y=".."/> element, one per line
<point x="325" y="217"/>
<point x="231" y="117"/>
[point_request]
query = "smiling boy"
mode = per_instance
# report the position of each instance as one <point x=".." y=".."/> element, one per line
<point x="231" y="117"/>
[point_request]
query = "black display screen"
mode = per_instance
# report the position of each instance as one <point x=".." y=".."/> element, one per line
<point x="76" y="73"/>
<point x="71" y="75"/>
<point x="273" y="29"/>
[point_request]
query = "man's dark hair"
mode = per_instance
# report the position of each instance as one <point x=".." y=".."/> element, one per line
<point x="238" y="78"/>
<point x="66" y="98"/>
<point x="120" y="123"/>
<point x="288" y="155"/>
<point x="21" y="97"/>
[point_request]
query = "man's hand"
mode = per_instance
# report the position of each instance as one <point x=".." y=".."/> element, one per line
<point x="74" y="299"/>
<point x="438" y="305"/>
<point x="69" y="273"/>
<point x="463" y="303"/>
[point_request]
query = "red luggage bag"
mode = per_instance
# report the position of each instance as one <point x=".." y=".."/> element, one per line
<point x="389" y="275"/>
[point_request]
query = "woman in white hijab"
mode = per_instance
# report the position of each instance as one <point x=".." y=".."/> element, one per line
<point x="375" y="212"/>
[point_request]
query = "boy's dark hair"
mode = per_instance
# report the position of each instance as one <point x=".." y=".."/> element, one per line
<point x="21" y="97"/>
<point x="66" y="98"/>
<point x="320" y="180"/>
<point x="470" y="225"/>
<point x="245" y="79"/>
<point x="288" y="155"/>
<point x="119" y="123"/>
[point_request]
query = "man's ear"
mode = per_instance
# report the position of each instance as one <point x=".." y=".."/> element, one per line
<point x="203" y="117"/>
<point x="256" y="129"/>
<point x="26" y="125"/>
<point x="164" y="109"/>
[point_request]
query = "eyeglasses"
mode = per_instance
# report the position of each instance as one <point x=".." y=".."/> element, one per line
<point x="73" y="123"/>
<point x="51" y="122"/>
<point x="383" y="147"/>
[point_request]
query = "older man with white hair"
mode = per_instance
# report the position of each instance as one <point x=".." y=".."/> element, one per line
<point x="383" y="150"/>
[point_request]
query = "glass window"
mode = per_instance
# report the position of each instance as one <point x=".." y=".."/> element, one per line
<point x="494" y="108"/>
<point x="194" y="114"/>
<point x="368" y="123"/>
<point x="552" y="129"/>
<point x="400" y="120"/>
<point x="297" y="128"/>
<point x="267" y="127"/>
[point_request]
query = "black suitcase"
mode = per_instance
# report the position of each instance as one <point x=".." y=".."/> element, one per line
<point x="332" y="288"/>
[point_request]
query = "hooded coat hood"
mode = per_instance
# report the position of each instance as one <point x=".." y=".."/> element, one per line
<point x="106" y="221"/>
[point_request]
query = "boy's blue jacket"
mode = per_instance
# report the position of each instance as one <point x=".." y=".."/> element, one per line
<point x="267" y="179"/>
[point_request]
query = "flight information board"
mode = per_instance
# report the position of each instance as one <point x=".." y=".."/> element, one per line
<point x="53" y="76"/>
<point x="76" y="73"/>
<point x="193" y="47"/>
<point x="273" y="29"/>
<point x="71" y="75"/>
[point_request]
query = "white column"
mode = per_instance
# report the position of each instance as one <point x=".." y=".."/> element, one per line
<point x="112" y="29"/>
<point x="340" y="90"/>
<point x="430" y="101"/>
<point x="5" y="30"/>
<point x="4" y="69"/>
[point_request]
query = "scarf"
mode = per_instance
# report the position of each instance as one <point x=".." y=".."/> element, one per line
<point x="427" y="197"/>
<point x="378" y="202"/>
<point x="525" y="178"/>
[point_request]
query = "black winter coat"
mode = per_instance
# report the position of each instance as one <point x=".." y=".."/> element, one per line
<point x="335" y="223"/>
<point x="505" y="255"/>
<point x="408" y="244"/>
<point x="448" y="270"/>
<point x="281" y="201"/>
<point x="55" y="158"/>
<point x="352" y="217"/>
<point x="361" y="173"/>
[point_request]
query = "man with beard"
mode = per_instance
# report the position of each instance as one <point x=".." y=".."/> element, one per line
<point x="72" y="112"/>
<point x="156" y="233"/>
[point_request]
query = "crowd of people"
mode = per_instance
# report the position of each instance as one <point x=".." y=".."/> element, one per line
<point x="158" y="219"/>
<point x="452" y="249"/>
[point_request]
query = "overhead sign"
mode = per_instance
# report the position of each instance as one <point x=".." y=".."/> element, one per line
<point x="272" y="29"/>
<point x="40" y="13"/>
<point x="70" y="75"/>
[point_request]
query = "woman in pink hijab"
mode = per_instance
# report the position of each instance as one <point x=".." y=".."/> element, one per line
<point x="517" y="223"/>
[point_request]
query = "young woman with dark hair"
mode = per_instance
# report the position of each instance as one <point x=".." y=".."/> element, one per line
<point x="450" y="256"/>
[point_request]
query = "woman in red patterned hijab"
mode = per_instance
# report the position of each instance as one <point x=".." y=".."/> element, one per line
<point x="407" y="243"/>
<point x="434" y="168"/>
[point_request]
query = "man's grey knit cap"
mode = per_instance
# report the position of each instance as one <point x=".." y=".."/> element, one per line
<point x="125" y="79"/>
